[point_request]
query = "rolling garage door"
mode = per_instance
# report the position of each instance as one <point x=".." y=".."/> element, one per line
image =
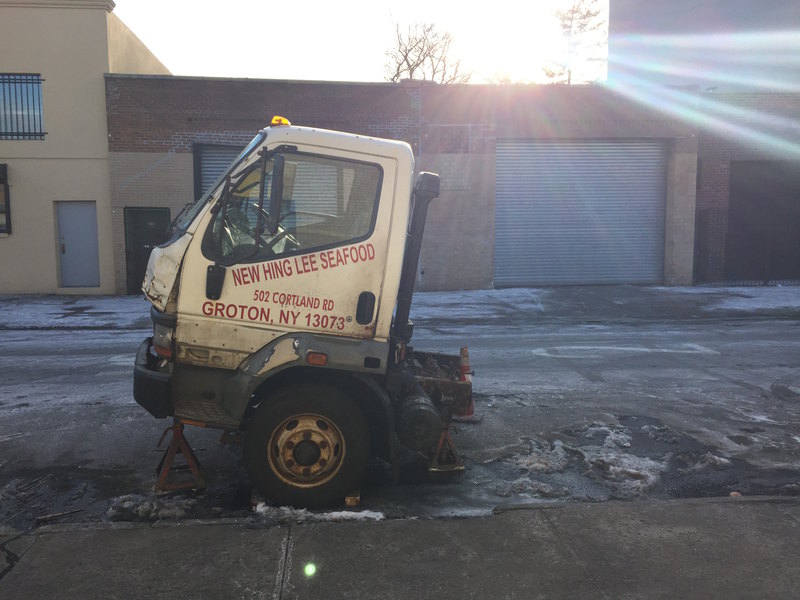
<point x="211" y="164"/>
<point x="579" y="212"/>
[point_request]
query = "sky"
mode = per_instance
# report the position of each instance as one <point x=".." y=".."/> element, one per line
<point x="345" y="40"/>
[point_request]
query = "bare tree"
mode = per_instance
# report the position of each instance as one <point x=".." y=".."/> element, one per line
<point x="582" y="28"/>
<point x="423" y="53"/>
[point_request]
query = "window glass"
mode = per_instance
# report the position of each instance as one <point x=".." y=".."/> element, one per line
<point x="326" y="202"/>
<point x="21" y="107"/>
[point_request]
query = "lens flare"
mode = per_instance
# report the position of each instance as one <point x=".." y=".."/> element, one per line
<point x="712" y="75"/>
<point x="310" y="569"/>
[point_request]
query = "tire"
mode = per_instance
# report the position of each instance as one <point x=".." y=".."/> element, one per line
<point x="307" y="446"/>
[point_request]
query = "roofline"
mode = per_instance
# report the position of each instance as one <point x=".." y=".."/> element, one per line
<point x="107" y="5"/>
<point x="404" y="83"/>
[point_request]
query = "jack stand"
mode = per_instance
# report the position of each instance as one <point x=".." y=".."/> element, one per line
<point x="178" y="444"/>
<point x="446" y="458"/>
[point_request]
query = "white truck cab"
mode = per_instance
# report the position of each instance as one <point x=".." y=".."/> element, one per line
<point x="280" y="309"/>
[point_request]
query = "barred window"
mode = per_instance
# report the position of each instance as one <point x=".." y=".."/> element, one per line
<point x="21" y="106"/>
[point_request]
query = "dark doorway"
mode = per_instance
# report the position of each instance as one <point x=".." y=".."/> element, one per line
<point x="763" y="240"/>
<point x="145" y="228"/>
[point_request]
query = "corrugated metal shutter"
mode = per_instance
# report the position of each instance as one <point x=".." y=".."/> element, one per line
<point x="214" y="160"/>
<point x="579" y="212"/>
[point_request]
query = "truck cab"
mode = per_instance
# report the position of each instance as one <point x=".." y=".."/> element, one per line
<point x="280" y="310"/>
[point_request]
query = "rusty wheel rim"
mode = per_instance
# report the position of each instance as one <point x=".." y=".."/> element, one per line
<point x="306" y="450"/>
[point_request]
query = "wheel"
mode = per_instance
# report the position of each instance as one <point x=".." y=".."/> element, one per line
<point x="307" y="445"/>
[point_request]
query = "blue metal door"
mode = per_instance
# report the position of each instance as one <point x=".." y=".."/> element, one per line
<point x="77" y="244"/>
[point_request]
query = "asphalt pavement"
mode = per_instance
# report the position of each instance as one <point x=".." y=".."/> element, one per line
<point x="736" y="547"/>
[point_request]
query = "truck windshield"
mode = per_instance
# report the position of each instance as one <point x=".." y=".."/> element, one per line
<point x="192" y="209"/>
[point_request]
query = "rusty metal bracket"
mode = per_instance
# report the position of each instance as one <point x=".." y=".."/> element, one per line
<point x="231" y="438"/>
<point x="446" y="458"/>
<point x="178" y="445"/>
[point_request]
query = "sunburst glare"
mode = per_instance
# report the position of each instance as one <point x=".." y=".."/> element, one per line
<point x="698" y="65"/>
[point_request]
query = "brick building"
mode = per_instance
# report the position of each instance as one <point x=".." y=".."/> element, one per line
<point x="748" y="199"/>
<point x="637" y="181"/>
<point x="540" y="184"/>
<point x="731" y="67"/>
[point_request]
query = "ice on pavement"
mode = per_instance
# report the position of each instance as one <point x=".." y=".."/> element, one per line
<point x="132" y="312"/>
<point x="744" y="299"/>
<point x="75" y="312"/>
<point x="134" y="507"/>
<point x="297" y="515"/>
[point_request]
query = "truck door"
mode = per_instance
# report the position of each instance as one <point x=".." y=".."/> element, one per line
<point x="316" y="265"/>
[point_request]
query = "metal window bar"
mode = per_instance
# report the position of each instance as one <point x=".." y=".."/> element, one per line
<point x="21" y="107"/>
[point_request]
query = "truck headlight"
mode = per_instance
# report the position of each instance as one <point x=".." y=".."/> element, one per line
<point x="162" y="340"/>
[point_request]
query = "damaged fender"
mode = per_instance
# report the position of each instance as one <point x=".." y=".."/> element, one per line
<point x="162" y="271"/>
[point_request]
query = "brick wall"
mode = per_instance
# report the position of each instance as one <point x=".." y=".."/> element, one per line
<point x="152" y="114"/>
<point x="452" y="129"/>
<point x="733" y="127"/>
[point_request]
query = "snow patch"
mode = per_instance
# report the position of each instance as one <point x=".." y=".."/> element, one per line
<point x="707" y="461"/>
<point x="133" y="507"/>
<point x="302" y="515"/>
<point x="75" y="312"/>
<point x="627" y="473"/>
<point x="630" y="474"/>
<point x="542" y="460"/>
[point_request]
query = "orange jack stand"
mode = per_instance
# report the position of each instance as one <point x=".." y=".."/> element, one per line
<point x="446" y="458"/>
<point x="178" y="445"/>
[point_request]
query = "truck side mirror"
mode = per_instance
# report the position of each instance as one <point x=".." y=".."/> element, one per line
<point x="275" y="194"/>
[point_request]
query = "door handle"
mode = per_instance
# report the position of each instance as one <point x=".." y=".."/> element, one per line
<point x="365" y="308"/>
<point x="63" y="248"/>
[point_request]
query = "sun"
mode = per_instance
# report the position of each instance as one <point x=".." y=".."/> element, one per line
<point x="506" y="43"/>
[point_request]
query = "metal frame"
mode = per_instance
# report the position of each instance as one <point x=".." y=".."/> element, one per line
<point x="21" y="106"/>
<point x="178" y="444"/>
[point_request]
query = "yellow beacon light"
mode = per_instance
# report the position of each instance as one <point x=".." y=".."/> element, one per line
<point x="278" y="121"/>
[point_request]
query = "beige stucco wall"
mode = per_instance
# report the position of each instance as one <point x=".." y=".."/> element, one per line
<point x="67" y="42"/>
<point x="30" y="262"/>
<point x="127" y="53"/>
<point x="143" y="179"/>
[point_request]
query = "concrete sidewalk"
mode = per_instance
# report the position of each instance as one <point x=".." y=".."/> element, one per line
<point x="574" y="304"/>
<point x="715" y="548"/>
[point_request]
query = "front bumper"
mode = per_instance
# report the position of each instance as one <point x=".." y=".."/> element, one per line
<point x="151" y="387"/>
